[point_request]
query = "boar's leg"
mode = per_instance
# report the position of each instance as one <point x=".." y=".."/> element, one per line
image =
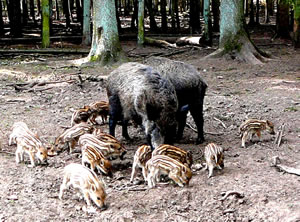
<point x="197" y="114"/>
<point x="124" y="130"/>
<point x="181" y="119"/>
<point x="115" y="113"/>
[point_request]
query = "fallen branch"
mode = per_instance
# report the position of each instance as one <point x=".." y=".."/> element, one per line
<point x="220" y="121"/>
<point x="228" y="193"/>
<point x="284" y="168"/>
<point x="6" y="152"/>
<point x="38" y="89"/>
<point x="138" y="189"/>
<point x="279" y="135"/>
<point x="30" y="85"/>
<point x="159" y="43"/>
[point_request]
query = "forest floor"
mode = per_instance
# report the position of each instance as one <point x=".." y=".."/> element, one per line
<point x="236" y="92"/>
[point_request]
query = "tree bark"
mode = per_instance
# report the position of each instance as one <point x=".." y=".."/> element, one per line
<point x="267" y="11"/>
<point x="106" y="47"/>
<point x="207" y="34"/>
<point x="134" y="14"/>
<point x="24" y="12"/>
<point x="45" y="24"/>
<point x="153" y="25"/>
<point x="14" y="14"/>
<point x="66" y="12"/>
<point x="234" y="38"/>
<point x="282" y="19"/>
<point x="86" y="27"/>
<point x="164" y="23"/>
<point x="141" y="29"/>
<point x="246" y="8"/>
<point x="194" y="16"/>
<point x="257" y="12"/>
<point x="251" y="20"/>
<point x="296" y="34"/>
<point x="32" y="12"/>
<point x="1" y="20"/>
<point x="216" y="15"/>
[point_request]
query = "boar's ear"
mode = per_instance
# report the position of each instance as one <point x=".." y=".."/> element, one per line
<point x="93" y="187"/>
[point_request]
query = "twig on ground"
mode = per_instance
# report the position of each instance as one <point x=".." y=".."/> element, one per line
<point x="291" y="170"/>
<point x="280" y="135"/>
<point x="28" y="86"/>
<point x="137" y="189"/>
<point x="6" y="152"/>
<point x="227" y="211"/>
<point x="228" y="193"/>
<point x="220" y="121"/>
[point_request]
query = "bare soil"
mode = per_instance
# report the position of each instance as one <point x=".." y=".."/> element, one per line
<point x="236" y="92"/>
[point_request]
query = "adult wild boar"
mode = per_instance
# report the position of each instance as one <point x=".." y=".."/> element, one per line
<point x="190" y="90"/>
<point x="137" y="92"/>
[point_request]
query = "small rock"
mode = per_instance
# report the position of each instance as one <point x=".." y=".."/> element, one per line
<point x="12" y="197"/>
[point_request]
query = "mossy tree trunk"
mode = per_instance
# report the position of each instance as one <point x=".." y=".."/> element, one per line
<point x="45" y="24"/>
<point x="296" y="37"/>
<point x="141" y="30"/>
<point x="86" y="28"/>
<point x="106" y="47"/>
<point x="207" y="34"/>
<point x="234" y="38"/>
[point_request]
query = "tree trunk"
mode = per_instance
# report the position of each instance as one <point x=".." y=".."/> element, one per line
<point x="251" y="20"/>
<point x="246" y="8"/>
<point x="296" y="34"/>
<point x="127" y="7"/>
<point x="24" y="12"/>
<point x="257" y="12"/>
<point x="164" y="23"/>
<point x="282" y="19"/>
<point x="106" y="47"/>
<point x="177" y="15"/>
<point x="1" y="20"/>
<point x="86" y="27"/>
<point x="67" y="13"/>
<point x="141" y="30"/>
<point x="173" y="19"/>
<point x="153" y="25"/>
<point x="267" y="11"/>
<point x="45" y="24"/>
<point x="57" y="10"/>
<point x="38" y="7"/>
<point x="134" y="14"/>
<point x="79" y="11"/>
<point x="14" y="14"/>
<point x="194" y="17"/>
<point x="32" y="13"/>
<point x="216" y="15"/>
<point x="234" y="39"/>
<point x="207" y="34"/>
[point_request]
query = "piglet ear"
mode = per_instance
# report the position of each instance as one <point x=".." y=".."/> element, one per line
<point x="93" y="187"/>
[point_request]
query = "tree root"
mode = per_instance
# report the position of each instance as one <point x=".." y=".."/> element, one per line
<point x="290" y="170"/>
<point x="248" y="53"/>
<point x="231" y="192"/>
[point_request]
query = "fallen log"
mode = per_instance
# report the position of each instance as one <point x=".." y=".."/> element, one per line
<point x="159" y="43"/>
<point x="287" y="169"/>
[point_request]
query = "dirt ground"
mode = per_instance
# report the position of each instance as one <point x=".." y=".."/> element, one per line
<point x="236" y="91"/>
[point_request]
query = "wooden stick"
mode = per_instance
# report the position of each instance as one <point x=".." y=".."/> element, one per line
<point x="280" y="135"/>
<point x="284" y="168"/>
<point x="231" y="192"/>
<point x="6" y="152"/>
<point x="223" y="124"/>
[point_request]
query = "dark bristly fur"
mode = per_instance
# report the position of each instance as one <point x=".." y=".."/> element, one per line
<point x="190" y="89"/>
<point x="137" y="92"/>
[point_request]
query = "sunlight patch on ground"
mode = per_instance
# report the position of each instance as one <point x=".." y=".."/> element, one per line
<point x="12" y="73"/>
<point x="283" y="84"/>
